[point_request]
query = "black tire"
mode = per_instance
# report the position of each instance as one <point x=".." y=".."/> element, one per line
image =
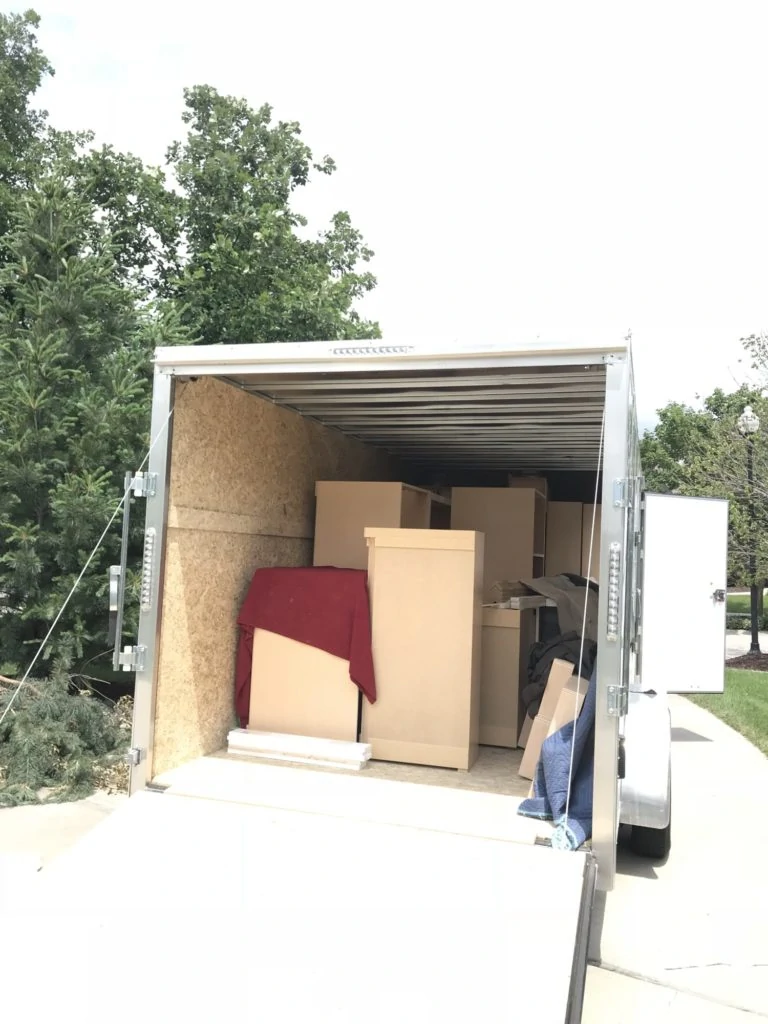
<point x="654" y="843"/>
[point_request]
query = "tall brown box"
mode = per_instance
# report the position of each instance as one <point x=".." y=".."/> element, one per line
<point x="564" y="537"/>
<point x="507" y="638"/>
<point x="426" y="616"/>
<point x="345" y="508"/>
<point x="513" y="521"/>
<point x="591" y="569"/>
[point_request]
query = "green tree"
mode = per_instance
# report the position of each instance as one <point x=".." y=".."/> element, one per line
<point x="249" y="274"/>
<point x="701" y="452"/>
<point x="23" y="67"/>
<point x="74" y="385"/>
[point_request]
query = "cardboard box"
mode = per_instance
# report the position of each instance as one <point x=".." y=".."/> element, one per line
<point x="525" y="732"/>
<point x="557" y="707"/>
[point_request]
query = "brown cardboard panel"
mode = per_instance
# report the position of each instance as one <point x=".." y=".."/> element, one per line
<point x="426" y="623"/>
<point x="242" y="495"/>
<point x="569" y="703"/>
<point x="300" y="690"/>
<point x="538" y="734"/>
<point x="525" y="732"/>
<point x="559" y="674"/>
<point x="564" y="537"/>
<point x="592" y="570"/>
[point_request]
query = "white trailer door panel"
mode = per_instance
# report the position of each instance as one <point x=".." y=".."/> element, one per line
<point x="237" y="913"/>
<point x="684" y="587"/>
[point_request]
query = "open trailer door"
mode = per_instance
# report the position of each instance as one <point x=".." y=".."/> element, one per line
<point x="684" y="588"/>
<point x="230" y="911"/>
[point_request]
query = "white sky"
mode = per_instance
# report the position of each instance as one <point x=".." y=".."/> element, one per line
<point x="554" y="168"/>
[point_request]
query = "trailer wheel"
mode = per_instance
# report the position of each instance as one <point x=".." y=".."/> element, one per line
<point x="654" y="843"/>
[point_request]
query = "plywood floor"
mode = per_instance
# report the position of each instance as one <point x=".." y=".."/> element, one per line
<point x="495" y="771"/>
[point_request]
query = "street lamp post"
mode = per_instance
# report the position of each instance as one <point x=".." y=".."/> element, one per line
<point x="749" y="424"/>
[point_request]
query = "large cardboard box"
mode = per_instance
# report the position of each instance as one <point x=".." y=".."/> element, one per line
<point x="560" y="704"/>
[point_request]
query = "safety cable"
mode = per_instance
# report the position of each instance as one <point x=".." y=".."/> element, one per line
<point x="584" y="617"/>
<point x="83" y="571"/>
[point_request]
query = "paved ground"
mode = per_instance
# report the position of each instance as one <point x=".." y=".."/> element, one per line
<point x="738" y="643"/>
<point x="693" y="931"/>
<point x="696" y="927"/>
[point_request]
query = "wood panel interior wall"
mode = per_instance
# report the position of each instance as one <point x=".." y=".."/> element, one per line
<point x="242" y="486"/>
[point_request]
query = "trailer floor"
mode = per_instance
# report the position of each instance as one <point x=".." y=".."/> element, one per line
<point x="365" y="795"/>
<point x="494" y="771"/>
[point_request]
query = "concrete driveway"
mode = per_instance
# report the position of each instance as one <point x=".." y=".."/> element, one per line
<point x="738" y="643"/>
<point x="688" y="940"/>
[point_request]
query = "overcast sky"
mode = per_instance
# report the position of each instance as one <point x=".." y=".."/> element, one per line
<point x="554" y="168"/>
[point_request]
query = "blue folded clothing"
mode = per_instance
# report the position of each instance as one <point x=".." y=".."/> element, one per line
<point x="550" y="785"/>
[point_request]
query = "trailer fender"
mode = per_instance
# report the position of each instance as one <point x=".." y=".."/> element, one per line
<point x="645" y="788"/>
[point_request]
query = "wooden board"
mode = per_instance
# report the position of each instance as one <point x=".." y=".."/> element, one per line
<point x="242" y="496"/>
<point x="507" y="637"/>
<point x="564" y="537"/>
<point x="300" y="690"/>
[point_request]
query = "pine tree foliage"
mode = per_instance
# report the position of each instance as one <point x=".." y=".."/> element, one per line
<point x="74" y="391"/>
<point x="58" y="743"/>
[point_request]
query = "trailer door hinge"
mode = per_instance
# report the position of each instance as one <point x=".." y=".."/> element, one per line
<point x="131" y="659"/>
<point x="134" y="757"/>
<point x="144" y="485"/>
<point x="617" y="701"/>
<point x="621" y="493"/>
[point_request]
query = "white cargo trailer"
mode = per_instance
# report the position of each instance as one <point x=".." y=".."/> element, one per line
<point x="240" y="435"/>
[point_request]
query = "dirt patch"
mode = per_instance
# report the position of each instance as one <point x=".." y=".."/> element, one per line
<point x="754" y="662"/>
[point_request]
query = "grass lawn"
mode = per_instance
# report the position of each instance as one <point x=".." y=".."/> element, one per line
<point x="739" y="604"/>
<point x="743" y="706"/>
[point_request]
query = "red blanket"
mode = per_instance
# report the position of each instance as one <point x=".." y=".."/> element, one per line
<point x="323" y="607"/>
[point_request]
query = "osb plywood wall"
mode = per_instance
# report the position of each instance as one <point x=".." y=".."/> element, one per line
<point x="243" y="475"/>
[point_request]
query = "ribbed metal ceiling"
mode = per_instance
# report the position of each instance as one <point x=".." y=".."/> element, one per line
<point x="531" y="418"/>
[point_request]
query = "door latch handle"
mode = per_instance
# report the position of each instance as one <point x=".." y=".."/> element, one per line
<point x="719" y="596"/>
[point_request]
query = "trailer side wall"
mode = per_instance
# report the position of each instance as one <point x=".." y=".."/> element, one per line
<point x="241" y="496"/>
